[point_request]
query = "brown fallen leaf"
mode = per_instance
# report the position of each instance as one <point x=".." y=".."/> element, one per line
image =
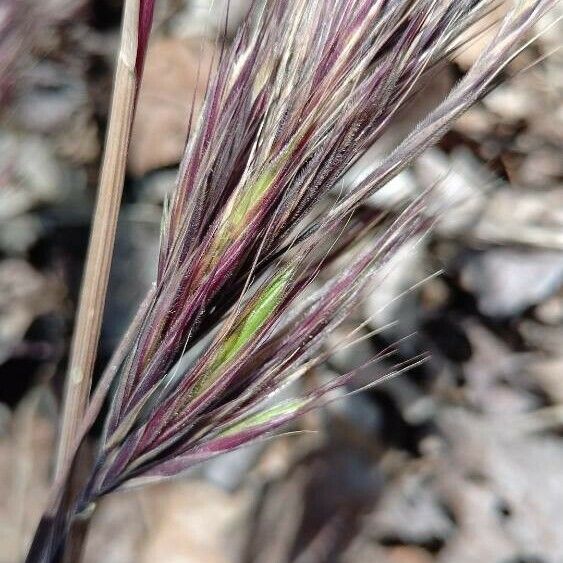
<point x="169" y="83"/>
<point x="187" y="521"/>
<point x="26" y="446"/>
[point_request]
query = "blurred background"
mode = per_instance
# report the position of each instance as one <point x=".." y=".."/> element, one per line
<point x="458" y="461"/>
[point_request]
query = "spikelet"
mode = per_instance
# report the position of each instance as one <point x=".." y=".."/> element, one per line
<point x="306" y="88"/>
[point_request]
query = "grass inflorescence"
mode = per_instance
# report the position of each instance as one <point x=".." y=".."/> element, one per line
<point x="238" y="310"/>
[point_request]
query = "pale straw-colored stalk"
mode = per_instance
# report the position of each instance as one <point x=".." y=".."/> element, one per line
<point x="100" y="250"/>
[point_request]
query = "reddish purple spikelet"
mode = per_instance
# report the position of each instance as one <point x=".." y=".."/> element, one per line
<point x="284" y="132"/>
<point x="303" y="91"/>
<point x="146" y="12"/>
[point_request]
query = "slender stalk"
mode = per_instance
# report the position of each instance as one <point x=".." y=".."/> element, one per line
<point x="74" y="550"/>
<point x="100" y="250"/>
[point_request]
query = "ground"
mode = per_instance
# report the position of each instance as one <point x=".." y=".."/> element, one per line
<point x="456" y="461"/>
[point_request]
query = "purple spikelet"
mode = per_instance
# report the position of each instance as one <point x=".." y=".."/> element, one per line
<point x="146" y="12"/>
<point x="304" y="90"/>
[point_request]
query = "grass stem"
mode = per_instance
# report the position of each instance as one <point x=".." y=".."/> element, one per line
<point x="100" y="249"/>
